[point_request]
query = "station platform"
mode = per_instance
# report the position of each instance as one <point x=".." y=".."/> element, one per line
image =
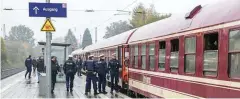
<point x="17" y="86"/>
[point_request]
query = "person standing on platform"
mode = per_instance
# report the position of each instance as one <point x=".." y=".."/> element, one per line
<point x="102" y="70"/>
<point x="114" y="66"/>
<point x="28" y="64"/>
<point x="69" y="70"/>
<point x="79" y="66"/>
<point x="34" y="65"/>
<point x="54" y="69"/>
<point x="40" y="66"/>
<point x="90" y="68"/>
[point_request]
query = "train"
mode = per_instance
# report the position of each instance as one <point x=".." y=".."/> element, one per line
<point x="193" y="55"/>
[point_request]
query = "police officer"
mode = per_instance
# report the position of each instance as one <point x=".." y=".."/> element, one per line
<point x="69" y="70"/>
<point x="54" y="70"/>
<point x="90" y="68"/>
<point x="28" y="64"/>
<point x="102" y="70"/>
<point x="79" y="66"/>
<point x="114" y="66"/>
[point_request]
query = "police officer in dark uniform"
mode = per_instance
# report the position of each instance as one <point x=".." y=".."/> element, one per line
<point x="90" y="68"/>
<point x="69" y="70"/>
<point x="102" y="70"/>
<point x="114" y="66"/>
<point x="28" y="64"/>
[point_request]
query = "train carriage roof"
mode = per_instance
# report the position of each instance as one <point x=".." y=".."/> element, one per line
<point x="218" y="13"/>
<point x="78" y="51"/>
<point x="110" y="42"/>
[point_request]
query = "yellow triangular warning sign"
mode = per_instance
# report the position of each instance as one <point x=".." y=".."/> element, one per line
<point x="47" y="26"/>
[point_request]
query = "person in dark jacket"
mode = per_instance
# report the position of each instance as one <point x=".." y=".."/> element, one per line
<point x="90" y="67"/>
<point x="70" y="70"/>
<point x="55" y="70"/>
<point x="114" y="66"/>
<point x="40" y="66"/>
<point x="28" y="64"/>
<point x="79" y="66"/>
<point x="102" y="70"/>
<point x="34" y="62"/>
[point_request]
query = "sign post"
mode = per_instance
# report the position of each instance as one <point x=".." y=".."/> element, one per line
<point x="48" y="54"/>
<point x="48" y="10"/>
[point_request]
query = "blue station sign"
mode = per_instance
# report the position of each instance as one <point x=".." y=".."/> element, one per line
<point x="47" y="10"/>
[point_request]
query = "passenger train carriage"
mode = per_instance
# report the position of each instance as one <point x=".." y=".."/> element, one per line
<point x="194" y="55"/>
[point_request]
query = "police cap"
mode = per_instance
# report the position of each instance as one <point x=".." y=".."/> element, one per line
<point x="91" y="56"/>
<point x="114" y="54"/>
<point x="70" y="56"/>
<point x="102" y="55"/>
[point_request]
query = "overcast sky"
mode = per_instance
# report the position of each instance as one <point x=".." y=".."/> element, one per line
<point x="82" y="20"/>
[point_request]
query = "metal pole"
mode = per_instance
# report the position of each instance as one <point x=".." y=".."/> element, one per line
<point x="48" y="62"/>
<point x="48" y="55"/>
<point x="65" y="54"/>
<point x="80" y="41"/>
<point x="4" y="31"/>
<point x="1" y="17"/>
<point x="95" y="34"/>
<point x="45" y="56"/>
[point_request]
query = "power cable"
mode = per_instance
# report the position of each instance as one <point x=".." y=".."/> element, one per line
<point x="117" y="13"/>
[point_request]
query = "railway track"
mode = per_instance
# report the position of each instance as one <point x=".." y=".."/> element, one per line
<point x="9" y="72"/>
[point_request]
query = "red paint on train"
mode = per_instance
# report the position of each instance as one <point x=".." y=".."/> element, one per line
<point x="193" y="88"/>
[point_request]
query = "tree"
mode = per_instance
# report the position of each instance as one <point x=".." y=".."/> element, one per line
<point x="138" y="16"/>
<point x="87" y="38"/>
<point x="71" y="39"/>
<point x="116" y="28"/>
<point x="143" y="16"/>
<point x="21" y="33"/>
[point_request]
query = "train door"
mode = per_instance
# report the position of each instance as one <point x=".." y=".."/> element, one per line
<point x="125" y="63"/>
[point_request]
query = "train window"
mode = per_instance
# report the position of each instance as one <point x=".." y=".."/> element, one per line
<point x="234" y="54"/>
<point x="174" y="55"/>
<point x="136" y="56"/>
<point x="161" y="55"/>
<point x="143" y="56"/>
<point x="210" y="54"/>
<point x="190" y="50"/>
<point x="152" y="56"/>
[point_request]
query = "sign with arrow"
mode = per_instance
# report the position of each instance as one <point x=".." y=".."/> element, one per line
<point x="35" y="9"/>
<point x="47" y="10"/>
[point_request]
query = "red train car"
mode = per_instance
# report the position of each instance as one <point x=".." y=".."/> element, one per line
<point x="194" y="55"/>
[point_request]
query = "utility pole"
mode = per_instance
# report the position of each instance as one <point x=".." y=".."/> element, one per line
<point x="80" y="41"/>
<point x="48" y="60"/>
<point x="95" y="34"/>
<point x="4" y="31"/>
<point x="1" y="17"/>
